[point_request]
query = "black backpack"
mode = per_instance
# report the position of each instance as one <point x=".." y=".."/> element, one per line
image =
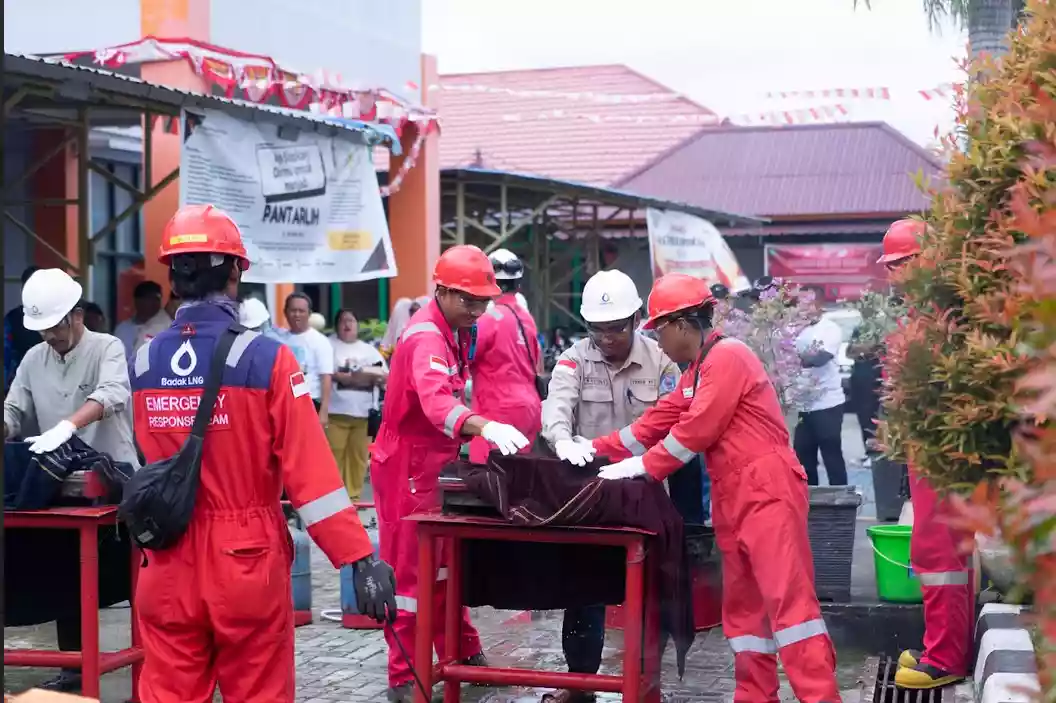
<point x="159" y="499"/>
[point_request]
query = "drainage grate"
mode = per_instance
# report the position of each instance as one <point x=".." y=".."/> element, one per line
<point x="882" y="672"/>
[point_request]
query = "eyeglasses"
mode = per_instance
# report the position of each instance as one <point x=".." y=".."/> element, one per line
<point x="473" y="304"/>
<point x="608" y="329"/>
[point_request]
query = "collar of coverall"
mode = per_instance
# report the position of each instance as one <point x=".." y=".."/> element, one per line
<point x="639" y="354"/>
<point x="207" y="311"/>
<point x="433" y="313"/>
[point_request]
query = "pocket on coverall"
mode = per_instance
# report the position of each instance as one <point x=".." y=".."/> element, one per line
<point x="253" y="579"/>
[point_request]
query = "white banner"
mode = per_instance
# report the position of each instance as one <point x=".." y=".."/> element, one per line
<point x="309" y="207"/>
<point x="682" y="243"/>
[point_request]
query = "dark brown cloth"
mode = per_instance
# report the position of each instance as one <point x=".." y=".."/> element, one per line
<point x="539" y="491"/>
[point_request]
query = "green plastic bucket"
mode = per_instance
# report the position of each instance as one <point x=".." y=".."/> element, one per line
<point x="895" y="580"/>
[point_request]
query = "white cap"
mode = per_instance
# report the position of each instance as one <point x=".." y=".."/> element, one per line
<point x="48" y="296"/>
<point x="253" y="313"/>
<point x="317" y="322"/>
<point x="609" y="296"/>
<point x="500" y="260"/>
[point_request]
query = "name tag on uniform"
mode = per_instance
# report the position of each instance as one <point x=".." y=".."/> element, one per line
<point x="687" y="392"/>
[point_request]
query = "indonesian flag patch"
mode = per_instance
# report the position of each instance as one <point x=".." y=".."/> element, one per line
<point x="437" y="363"/>
<point x="566" y="365"/>
<point x="298" y="384"/>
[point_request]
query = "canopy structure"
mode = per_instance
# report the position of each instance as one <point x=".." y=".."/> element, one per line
<point x="556" y="227"/>
<point x="42" y="93"/>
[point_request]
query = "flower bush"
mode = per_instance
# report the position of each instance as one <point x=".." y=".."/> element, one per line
<point x="770" y="329"/>
<point x="971" y="384"/>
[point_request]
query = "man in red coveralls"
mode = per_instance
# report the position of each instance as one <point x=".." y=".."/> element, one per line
<point x="935" y="554"/>
<point x="506" y="362"/>
<point x="216" y="607"/>
<point x="424" y="423"/>
<point x="726" y="408"/>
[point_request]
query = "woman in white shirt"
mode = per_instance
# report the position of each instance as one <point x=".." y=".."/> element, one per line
<point x="360" y="372"/>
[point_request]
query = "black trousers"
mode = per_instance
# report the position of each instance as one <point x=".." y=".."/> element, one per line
<point x="820" y="431"/>
<point x="583" y="638"/>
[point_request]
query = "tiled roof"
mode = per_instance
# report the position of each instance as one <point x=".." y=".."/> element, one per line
<point x="477" y="129"/>
<point x="825" y="170"/>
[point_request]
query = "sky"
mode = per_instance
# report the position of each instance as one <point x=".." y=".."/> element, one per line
<point x="724" y="55"/>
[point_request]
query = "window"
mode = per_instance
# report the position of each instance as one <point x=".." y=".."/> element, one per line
<point x="120" y="249"/>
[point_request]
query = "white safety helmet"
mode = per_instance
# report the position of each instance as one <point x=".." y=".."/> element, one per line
<point x="48" y="296"/>
<point x="506" y="265"/>
<point x="253" y="313"/>
<point x="317" y="322"/>
<point x="609" y="296"/>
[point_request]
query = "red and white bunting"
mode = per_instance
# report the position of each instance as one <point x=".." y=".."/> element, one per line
<point x="257" y="78"/>
<point x="584" y="96"/>
<point x="942" y="91"/>
<point x="775" y="117"/>
<point x="405" y="167"/>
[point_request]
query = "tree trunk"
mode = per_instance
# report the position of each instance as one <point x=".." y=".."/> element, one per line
<point x="989" y="22"/>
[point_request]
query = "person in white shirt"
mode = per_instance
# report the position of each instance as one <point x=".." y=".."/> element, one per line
<point x="360" y="375"/>
<point x="312" y="351"/>
<point x="149" y="318"/>
<point x="820" y="425"/>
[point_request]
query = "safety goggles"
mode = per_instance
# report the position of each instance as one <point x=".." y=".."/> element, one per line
<point x="597" y="330"/>
<point x="471" y="304"/>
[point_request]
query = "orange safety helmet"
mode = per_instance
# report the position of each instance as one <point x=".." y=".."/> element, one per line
<point x="201" y="229"/>
<point x="466" y="268"/>
<point x="674" y="292"/>
<point x="902" y="241"/>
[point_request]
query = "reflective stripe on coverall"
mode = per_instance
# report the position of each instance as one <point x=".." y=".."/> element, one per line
<point x="503" y="371"/>
<point x="945" y="579"/>
<point x="759" y="502"/>
<point x="420" y="432"/>
<point x="217" y="606"/>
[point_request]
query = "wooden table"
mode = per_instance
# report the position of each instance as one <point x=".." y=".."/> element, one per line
<point x="641" y="623"/>
<point x="90" y="660"/>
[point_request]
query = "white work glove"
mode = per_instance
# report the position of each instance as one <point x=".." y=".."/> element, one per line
<point x="52" y="439"/>
<point x="578" y="451"/>
<point x="628" y="468"/>
<point x="507" y="438"/>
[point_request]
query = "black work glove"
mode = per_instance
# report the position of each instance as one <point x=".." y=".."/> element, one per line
<point x="375" y="588"/>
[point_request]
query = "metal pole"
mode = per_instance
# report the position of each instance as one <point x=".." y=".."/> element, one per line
<point x="460" y="213"/>
<point x="84" y="235"/>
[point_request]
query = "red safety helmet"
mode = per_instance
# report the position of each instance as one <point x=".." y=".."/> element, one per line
<point x="674" y="292"/>
<point x="201" y="229"/>
<point x="902" y="241"/>
<point x="466" y="268"/>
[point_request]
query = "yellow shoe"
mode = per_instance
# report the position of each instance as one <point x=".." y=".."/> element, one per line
<point x="909" y="658"/>
<point x="923" y="676"/>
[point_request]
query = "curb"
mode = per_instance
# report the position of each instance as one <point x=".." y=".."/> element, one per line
<point x="1006" y="669"/>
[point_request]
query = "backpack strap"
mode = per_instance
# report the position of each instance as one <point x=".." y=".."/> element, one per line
<point x="211" y="389"/>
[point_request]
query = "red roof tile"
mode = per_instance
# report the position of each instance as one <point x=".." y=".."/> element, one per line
<point x="476" y="128"/>
<point x="826" y="170"/>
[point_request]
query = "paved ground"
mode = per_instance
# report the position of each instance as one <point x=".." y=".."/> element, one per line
<point x="335" y="664"/>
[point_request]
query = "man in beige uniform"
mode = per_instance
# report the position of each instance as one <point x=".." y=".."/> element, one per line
<point x="603" y="383"/>
<point x="74" y="382"/>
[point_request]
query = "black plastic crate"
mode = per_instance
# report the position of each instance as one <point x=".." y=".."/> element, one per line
<point x="831" y="526"/>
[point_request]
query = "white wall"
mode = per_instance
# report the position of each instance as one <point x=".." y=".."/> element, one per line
<point x="370" y="43"/>
<point x="53" y="26"/>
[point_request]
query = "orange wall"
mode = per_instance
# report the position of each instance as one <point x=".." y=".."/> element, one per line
<point x="414" y="210"/>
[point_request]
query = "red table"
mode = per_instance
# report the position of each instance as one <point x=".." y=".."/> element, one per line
<point x="89" y="660"/>
<point x="641" y="622"/>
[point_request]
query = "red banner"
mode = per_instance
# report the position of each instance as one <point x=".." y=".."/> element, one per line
<point x="834" y="271"/>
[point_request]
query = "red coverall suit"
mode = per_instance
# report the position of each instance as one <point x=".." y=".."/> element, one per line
<point x="759" y="503"/>
<point x="217" y="607"/>
<point x="945" y="578"/>
<point x="420" y="432"/>
<point x="504" y="368"/>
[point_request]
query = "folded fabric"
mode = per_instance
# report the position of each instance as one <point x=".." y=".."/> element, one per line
<point x="34" y="481"/>
<point x="540" y="491"/>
